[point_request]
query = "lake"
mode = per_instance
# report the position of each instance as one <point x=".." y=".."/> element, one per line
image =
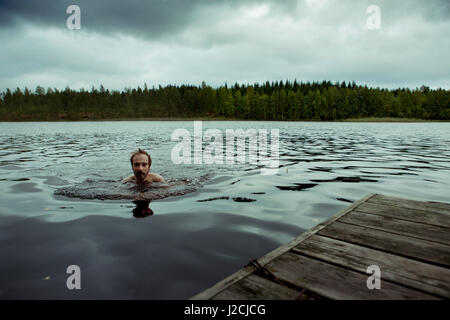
<point x="62" y="202"/>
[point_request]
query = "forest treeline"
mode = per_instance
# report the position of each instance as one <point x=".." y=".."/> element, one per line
<point x="269" y="101"/>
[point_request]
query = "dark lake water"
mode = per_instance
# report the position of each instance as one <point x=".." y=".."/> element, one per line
<point x="62" y="203"/>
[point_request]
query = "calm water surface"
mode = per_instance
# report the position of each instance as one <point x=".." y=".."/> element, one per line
<point x="62" y="202"/>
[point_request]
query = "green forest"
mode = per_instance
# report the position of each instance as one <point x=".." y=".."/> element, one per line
<point x="323" y="101"/>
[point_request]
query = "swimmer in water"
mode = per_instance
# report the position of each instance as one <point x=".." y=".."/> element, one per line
<point x="141" y="163"/>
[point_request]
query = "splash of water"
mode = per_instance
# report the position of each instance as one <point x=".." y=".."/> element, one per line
<point x="91" y="189"/>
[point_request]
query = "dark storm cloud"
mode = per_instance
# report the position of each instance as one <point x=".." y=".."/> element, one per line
<point x="149" y="19"/>
<point x="156" y="16"/>
<point x="145" y="17"/>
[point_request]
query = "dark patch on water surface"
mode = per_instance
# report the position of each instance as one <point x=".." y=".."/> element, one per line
<point x="403" y="168"/>
<point x="212" y="199"/>
<point x="25" y="187"/>
<point x="115" y="190"/>
<point x="18" y="179"/>
<point x="241" y="199"/>
<point x="372" y="176"/>
<point x="345" y="200"/>
<point x="346" y="179"/>
<point x="236" y="199"/>
<point x="390" y="173"/>
<point x="321" y="169"/>
<point x="297" y="187"/>
<point x="258" y="193"/>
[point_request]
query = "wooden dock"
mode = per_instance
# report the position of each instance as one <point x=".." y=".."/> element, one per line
<point x="408" y="240"/>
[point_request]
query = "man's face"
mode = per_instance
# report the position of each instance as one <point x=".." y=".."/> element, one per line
<point x="140" y="166"/>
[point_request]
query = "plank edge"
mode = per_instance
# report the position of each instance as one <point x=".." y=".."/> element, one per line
<point x="242" y="273"/>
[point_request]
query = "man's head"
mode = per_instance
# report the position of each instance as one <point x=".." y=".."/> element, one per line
<point x="140" y="163"/>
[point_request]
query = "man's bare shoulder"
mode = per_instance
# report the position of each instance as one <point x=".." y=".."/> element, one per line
<point x="152" y="177"/>
<point x="131" y="178"/>
<point x="156" y="177"/>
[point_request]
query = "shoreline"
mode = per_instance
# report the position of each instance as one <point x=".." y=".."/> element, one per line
<point x="393" y="120"/>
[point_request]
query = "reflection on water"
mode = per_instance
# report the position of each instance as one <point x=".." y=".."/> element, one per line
<point x="62" y="202"/>
<point x="142" y="209"/>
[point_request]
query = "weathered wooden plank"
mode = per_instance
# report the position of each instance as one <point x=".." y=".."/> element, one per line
<point x="431" y="206"/>
<point x="285" y="248"/>
<point x="223" y="284"/>
<point x="379" y="231"/>
<point x="414" y="215"/>
<point x="404" y="271"/>
<point x="254" y="287"/>
<point x="335" y="282"/>
<point x="398" y="244"/>
<point x="237" y="276"/>
<point x="390" y="224"/>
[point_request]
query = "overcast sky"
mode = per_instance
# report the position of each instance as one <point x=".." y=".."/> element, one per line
<point x="129" y="43"/>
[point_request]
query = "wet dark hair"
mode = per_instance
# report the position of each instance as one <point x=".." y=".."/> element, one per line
<point x="140" y="151"/>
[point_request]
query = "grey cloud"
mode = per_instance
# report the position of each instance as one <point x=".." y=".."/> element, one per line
<point x="152" y="18"/>
<point x="159" y="19"/>
<point x="216" y="41"/>
<point x="146" y="19"/>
